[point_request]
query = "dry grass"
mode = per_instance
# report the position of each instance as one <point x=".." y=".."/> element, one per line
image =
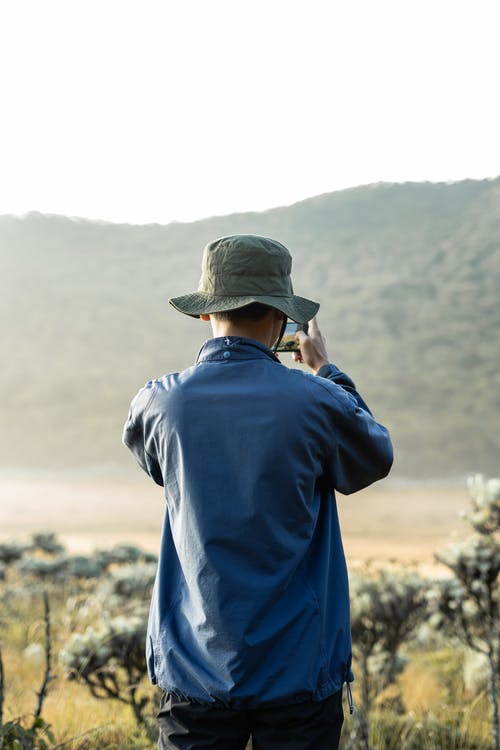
<point x="78" y="720"/>
<point x="436" y="706"/>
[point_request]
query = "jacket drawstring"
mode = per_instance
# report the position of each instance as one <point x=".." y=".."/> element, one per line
<point x="349" y="698"/>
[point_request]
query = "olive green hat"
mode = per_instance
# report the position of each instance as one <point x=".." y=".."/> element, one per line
<point x="241" y="269"/>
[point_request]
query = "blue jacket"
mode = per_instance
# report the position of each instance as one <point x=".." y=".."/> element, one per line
<point x="251" y="602"/>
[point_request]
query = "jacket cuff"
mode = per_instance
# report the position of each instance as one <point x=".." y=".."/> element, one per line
<point x="327" y="371"/>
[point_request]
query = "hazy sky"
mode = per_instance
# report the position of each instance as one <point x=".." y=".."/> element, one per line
<point x="152" y="110"/>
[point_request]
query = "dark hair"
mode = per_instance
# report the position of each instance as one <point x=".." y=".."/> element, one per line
<point x="255" y="311"/>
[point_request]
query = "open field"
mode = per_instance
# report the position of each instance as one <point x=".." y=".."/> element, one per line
<point x="382" y="523"/>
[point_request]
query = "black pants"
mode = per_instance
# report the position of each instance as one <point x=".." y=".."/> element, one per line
<point x="311" y="725"/>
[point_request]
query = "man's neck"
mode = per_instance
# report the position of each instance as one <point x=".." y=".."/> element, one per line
<point x="265" y="331"/>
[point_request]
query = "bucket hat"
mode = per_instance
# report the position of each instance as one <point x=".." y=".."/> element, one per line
<point x="241" y="269"/>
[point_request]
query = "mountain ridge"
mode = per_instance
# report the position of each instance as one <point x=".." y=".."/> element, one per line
<point x="376" y="185"/>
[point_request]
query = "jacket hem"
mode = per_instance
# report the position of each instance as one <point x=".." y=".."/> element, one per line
<point x="321" y="694"/>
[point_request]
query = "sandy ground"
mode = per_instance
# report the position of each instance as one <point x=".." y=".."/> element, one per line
<point x="381" y="524"/>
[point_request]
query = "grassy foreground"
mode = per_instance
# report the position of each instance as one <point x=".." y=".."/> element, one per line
<point x="427" y="708"/>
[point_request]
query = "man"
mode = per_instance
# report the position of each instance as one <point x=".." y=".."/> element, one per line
<point x="249" y="625"/>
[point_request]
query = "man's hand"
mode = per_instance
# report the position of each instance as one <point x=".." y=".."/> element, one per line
<point x="312" y="347"/>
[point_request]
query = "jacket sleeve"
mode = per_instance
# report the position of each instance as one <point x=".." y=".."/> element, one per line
<point x="360" y="449"/>
<point x="138" y="435"/>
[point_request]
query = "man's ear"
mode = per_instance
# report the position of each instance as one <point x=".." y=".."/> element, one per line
<point x="206" y="318"/>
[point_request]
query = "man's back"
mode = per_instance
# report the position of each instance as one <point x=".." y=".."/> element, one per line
<point x="251" y="602"/>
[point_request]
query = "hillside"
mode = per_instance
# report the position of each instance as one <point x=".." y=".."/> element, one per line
<point x="408" y="276"/>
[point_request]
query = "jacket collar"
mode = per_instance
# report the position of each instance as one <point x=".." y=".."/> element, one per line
<point x="238" y="347"/>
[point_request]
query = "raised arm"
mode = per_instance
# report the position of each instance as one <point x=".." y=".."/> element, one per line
<point x="360" y="449"/>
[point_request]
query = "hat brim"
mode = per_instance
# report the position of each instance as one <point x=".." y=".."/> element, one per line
<point x="298" y="309"/>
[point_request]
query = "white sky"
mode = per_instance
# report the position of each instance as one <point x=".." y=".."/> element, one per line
<point x="155" y="110"/>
